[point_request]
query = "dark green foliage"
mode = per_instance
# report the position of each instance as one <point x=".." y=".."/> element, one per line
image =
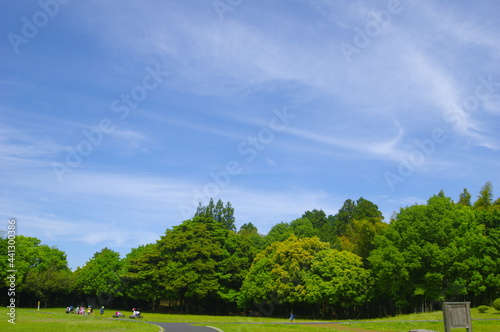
<point x="362" y="209"/>
<point x="465" y="198"/>
<point x="201" y="260"/>
<point x="279" y="232"/>
<point x="140" y="274"/>
<point x="317" y="217"/>
<point x="218" y="212"/>
<point x="250" y="234"/>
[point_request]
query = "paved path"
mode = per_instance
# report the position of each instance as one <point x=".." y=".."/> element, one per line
<point x="184" y="327"/>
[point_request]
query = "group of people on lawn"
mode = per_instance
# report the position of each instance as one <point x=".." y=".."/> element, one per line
<point x="81" y="310"/>
<point x="90" y="310"/>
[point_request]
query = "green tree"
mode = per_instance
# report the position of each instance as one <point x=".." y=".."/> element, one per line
<point x="359" y="237"/>
<point x="141" y="274"/>
<point x="40" y="270"/>
<point x="100" y="277"/>
<point x="279" y="232"/>
<point x="344" y="217"/>
<point x="24" y="259"/>
<point x="303" y="227"/>
<point x="430" y="253"/>
<point x="337" y="278"/>
<point x="317" y="217"/>
<point x="48" y="283"/>
<point x="322" y="223"/>
<point x="489" y="264"/>
<point x="218" y="212"/>
<point x="362" y="209"/>
<point x="239" y="252"/>
<point x="202" y="261"/>
<point x="279" y="271"/>
<point x="485" y="198"/>
<point x="465" y="198"/>
<point x="366" y="210"/>
<point x="305" y="271"/>
<point x="249" y="231"/>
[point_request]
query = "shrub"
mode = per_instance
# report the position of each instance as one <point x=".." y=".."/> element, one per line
<point x="496" y="304"/>
<point x="482" y="309"/>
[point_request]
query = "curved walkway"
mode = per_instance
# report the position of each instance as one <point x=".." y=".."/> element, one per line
<point x="184" y="327"/>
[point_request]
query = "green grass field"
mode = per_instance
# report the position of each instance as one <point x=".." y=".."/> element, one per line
<point x="54" y="319"/>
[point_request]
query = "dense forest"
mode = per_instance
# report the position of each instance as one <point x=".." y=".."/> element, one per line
<point x="348" y="265"/>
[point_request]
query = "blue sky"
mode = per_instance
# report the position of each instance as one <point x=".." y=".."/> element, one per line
<point x="117" y="117"/>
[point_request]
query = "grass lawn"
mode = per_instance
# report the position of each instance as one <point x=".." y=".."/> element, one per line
<point x="54" y="319"/>
<point x="480" y="322"/>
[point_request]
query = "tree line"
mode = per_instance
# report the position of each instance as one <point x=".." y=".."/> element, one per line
<point x="348" y="265"/>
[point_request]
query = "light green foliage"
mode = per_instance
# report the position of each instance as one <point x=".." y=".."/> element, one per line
<point x="496" y="304"/>
<point x="101" y="275"/>
<point x="482" y="309"/>
<point x="304" y="270"/>
<point x="41" y="269"/>
<point x="25" y="257"/>
<point x="278" y="272"/>
<point x="337" y="277"/>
